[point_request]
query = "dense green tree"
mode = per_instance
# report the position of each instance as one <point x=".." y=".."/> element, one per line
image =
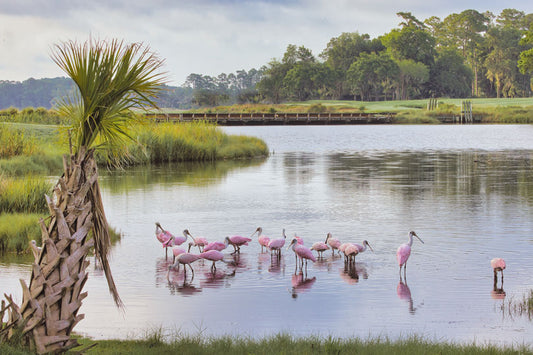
<point x="413" y="41"/>
<point x="525" y="62"/>
<point x="372" y="75"/>
<point x="413" y="75"/>
<point x="464" y="31"/>
<point x="450" y="76"/>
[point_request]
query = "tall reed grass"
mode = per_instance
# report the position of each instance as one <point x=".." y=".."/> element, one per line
<point x="195" y="141"/>
<point x="23" y="195"/>
<point x="17" y="230"/>
<point x="31" y="115"/>
<point x="14" y="142"/>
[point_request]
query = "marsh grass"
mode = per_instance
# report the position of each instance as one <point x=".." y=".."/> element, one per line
<point x="287" y="344"/>
<point x="519" y="308"/>
<point x="17" y="230"/>
<point x="14" y="142"/>
<point x="195" y="141"/>
<point x="31" y="115"/>
<point x="24" y="195"/>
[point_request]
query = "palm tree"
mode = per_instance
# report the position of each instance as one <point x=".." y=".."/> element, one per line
<point x="113" y="79"/>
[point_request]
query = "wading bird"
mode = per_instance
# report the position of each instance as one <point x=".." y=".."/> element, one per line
<point x="215" y="246"/>
<point x="497" y="264"/>
<point x="262" y="239"/>
<point x="199" y="242"/>
<point x="334" y="243"/>
<point x="214" y="256"/>
<point x="319" y="247"/>
<point x="302" y="252"/>
<point x="275" y="245"/>
<point x="184" y="259"/>
<point x="236" y="242"/>
<point x="163" y="236"/>
<point x="403" y="252"/>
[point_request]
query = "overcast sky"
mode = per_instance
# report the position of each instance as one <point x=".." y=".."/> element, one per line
<point x="203" y="36"/>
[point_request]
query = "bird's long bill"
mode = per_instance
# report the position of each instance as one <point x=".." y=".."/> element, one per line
<point x="253" y="233"/>
<point x="370" y="247"/>
<point x="327" y="237"/>
<point x="419" y="238"/>
<point x="292" y="242"/>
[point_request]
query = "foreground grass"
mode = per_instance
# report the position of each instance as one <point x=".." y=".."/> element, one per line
<point x="282" y="344"/>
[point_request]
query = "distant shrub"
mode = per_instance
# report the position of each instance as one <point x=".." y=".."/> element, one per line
<point x="317" y="108"/>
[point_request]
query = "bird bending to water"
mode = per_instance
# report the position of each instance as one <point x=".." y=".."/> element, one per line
<point x="163" y="236"/>
<point x="199" y="242"/>
<point x="319" y="247"/>
<point x="184" y="259"/>
<point x="215" y="246"/>
<point x="497" y="264"/>
<point x="334" y="243"/>
<point x="237" y="241"/>
<point x="403" y="252"/>
<point x="214" y="256"/>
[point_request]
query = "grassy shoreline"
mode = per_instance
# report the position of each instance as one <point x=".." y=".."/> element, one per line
<point x="281" y="344"/>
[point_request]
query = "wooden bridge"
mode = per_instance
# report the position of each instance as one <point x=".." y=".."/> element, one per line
<point x="250" y="119"/>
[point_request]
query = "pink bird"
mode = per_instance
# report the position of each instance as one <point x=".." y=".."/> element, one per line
<point x="176" y="251"/>
<point x="275" y="245"/>
<point x="299" y="239"/>
<point x="262" y="239"/>
<point x="179" y="240"/>
<point x="214" y="256"/>
<point x="319" y="247"/>
<point x="199" y="242"/>
<point x="342" y="249"/>
<point x="215" y="246"/>
<point x="403" y="252"/>
<point x="184" y="259"/>
<point x="237" y="241"/>
<point x="334" y="243"/>
<point x="497" y="264"/>
<point x="163" y="236"/>
<point x="302" y="252"/>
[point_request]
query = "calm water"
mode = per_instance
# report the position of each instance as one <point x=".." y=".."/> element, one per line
<point x="466" y="190"/>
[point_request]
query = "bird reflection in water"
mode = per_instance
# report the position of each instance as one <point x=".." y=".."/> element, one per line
<point x="352" y="272"/>
<point x="217" y="279"/>
<point x="301" y="283"/>
<point x="185" y="288"/>
<point x="404" y="293"/>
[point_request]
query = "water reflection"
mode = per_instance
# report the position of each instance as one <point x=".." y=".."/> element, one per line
<point x="404" y="293"/>
<point x="497" y="292"/>
<point x="301" y="283"/>
<point x="189" y="173"/>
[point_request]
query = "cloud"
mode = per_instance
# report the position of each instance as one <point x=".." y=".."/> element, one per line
<point x="203" y="36"/>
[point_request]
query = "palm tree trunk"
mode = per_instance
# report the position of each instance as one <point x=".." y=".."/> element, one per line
<point x="50" y="304"/>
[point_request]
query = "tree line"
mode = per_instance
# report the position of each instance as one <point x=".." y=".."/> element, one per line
<point x="467" y="54"/>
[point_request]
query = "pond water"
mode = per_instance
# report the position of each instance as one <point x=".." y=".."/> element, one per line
<point x="467" y="191"/>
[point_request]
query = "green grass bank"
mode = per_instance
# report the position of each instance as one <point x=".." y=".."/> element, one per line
<point x="282" y="344"/>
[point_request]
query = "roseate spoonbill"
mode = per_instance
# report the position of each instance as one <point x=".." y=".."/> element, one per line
<point x="319" y="247"/>
<point x="184" y="259"/>
<point x="497" y="264"/>
<point x="163" y="236"/>
<point x="214" y="256"/>
<point x="342" y="249"/>
<point x="403" y="252"/>
<point x="262" y="239"/>
<point x="354" y="249"/>
<point x="334" y="243"/>
<point x="199" y="242"/>
<point x="275" y="245"/>
<point x="302" y="252"/>
<point x="237" y="241"/>
<point x="215" y="246"/>
<point x="176" y="250"/>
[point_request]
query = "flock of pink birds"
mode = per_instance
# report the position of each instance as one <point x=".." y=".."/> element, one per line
<point x="212" y="251"/>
